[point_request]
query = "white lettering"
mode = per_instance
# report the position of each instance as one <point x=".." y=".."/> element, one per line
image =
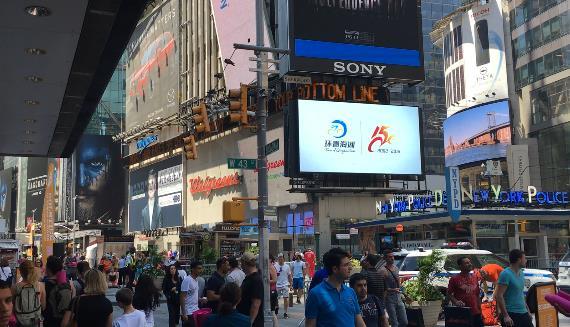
<point x="366" y="68"/>
<point x="531" y="193"/>
<point x="339" y="67"/>
<point x="380" y="69"/>
<point x="496" y="191"/>
<point x="355" y="66"/>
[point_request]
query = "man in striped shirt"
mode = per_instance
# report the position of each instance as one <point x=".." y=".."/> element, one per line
<point x="375" y="282"/>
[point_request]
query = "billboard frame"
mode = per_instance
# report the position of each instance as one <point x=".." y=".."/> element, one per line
<point x="288" y="62"/>
<point x="292" y="151"/>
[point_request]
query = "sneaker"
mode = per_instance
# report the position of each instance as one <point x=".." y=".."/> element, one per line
<point x="285" y="316"/>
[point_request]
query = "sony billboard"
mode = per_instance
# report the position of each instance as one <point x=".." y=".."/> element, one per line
<point x="367" y="38"/>
<point x="474" y="58"/>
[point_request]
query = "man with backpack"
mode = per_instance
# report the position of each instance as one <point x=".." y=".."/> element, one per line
<point x="58" y="294"/>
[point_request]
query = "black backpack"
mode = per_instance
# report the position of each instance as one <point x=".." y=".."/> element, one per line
<point x="58" y="298"/>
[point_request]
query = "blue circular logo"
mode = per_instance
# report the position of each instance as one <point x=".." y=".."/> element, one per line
<point x="338" y="129"/>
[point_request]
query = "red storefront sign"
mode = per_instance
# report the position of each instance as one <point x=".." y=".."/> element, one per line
<point x="207" y="185"/>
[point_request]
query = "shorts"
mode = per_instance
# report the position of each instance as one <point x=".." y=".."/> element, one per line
<point x="298" y="283"/>
<point x="283" y="292"/>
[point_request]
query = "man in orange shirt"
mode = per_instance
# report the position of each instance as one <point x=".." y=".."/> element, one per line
<point x="490" y="273"/>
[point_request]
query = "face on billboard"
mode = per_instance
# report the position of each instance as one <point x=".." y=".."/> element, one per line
<point x="357" y="38"/>
<point x="477" y="134"/>
<point x="99" y="179"/>
<point x="341" y="137"/>
<point x="155" y="195"/>
<point x="5" y="193"/>
<point x="152" y="67"/>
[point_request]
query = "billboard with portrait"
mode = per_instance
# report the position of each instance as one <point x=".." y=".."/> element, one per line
<point x="155" y="195"/>
<point x="99" y="180"/>
<point x="376" y="38"/>
<point x="36" y="180"/>
<point x="342" y="137"/>
<point x="474" y="57"/>
<point x="5" y="193"/>
<point x="476" y="134"/>
<point x="152" y="66"/>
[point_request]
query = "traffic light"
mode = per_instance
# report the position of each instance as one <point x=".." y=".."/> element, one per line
<point x="190" y="147"/>
<point x="238" y="104"/>
<point x="233" y="212"/>
<point x="200" y="118"/>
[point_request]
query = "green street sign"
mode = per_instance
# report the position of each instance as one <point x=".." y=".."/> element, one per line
<point x="272" y="147"/>
<point x="240" y="163"/>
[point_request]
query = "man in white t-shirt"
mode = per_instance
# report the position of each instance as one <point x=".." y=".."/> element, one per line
<point x="189" y="296"/>
<point x="284" y="281"/>
<point x="131" y="317"/>
<point x="236" y="275"/>
<point x="299" y="271"/>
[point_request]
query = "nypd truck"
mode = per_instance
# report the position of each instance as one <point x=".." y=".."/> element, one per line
<point x="479" y="258"/>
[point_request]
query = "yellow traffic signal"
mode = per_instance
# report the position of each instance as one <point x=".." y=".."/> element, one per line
<point x="200" y="118"/>
<point x="233" y="212"/>
<point x="238" y="104"/>
<point x="190" y="147"/>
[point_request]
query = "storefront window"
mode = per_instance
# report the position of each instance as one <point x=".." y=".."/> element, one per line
<point x="460" y="231"/>
<point x="557" y="247"/>
<point x="554" y="227"/>
<point x="491" y="228"/>
<point x="497" y="245"/>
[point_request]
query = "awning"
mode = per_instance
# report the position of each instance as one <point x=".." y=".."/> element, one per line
<point x="9" y="244"/>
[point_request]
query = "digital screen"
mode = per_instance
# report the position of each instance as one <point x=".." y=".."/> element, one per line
<point x="302" y="224"/>
<point x="37" y="179"/>
<point x="357" y="38"/>
<point x="5" y="193"/>
<point x="155" y="195"/>
<point x="100" y="180"/>
<point x="342" y="137"/>
<point x="477" y="134"/>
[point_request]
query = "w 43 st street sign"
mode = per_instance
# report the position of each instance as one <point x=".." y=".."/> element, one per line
<point x="240" y="163"/>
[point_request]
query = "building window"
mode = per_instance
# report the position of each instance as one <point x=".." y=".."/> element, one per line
<point x="554" y="156"/>
<point x="539" y="68"/>
<point x="530" y="9"/>
<point x="550" y="101"/>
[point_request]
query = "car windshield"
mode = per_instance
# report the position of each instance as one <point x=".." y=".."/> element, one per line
<point x="565" y="258"/>
<point x="488" y="258"/>
<point x="409" y="264"/>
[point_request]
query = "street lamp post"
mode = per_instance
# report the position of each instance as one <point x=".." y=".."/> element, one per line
<point x="293" y="206"/>
<point x="74" y="222"/>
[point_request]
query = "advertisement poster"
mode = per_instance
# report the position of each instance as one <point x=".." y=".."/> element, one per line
<point x="37" y="179"/>
<point x="475" y="64"/>
<point x="5" y="193"/>
<point x="152" y="66"/>
<point x="477" y="134"/>
<point x="303" y="223"/>
<point x="155" y="195"/>
<point x="341" y="137"/>
<point x="100" y="180"/>
<point x="49" y="212"/>
<point x="357" y="38"/>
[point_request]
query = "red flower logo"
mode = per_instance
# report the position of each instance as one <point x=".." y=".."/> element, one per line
<point x="381" y="135"/>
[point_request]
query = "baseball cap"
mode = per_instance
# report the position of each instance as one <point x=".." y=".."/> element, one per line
<point x="280" y="255"/>
<point x="248" y="258"/>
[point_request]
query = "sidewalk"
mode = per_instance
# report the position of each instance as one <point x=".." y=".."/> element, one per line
<point x="296" y="315"/>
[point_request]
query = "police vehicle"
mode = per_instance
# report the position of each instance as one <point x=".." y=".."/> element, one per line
<point x="564" y="273"/>
<point x="479" y="258"/>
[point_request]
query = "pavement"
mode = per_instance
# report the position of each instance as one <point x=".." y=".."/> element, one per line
<point x="296" y="314"/>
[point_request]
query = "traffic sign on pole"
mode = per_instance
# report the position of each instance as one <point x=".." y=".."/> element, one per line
<point x="272" y="147"/>
<point x="241" y="163"/>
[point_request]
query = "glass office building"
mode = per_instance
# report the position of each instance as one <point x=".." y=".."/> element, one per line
<point x="429" y="95"/>
<point x="541" y="55"/>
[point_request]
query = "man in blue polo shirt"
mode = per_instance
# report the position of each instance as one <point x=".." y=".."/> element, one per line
<point x="331" y="303"/>
<point x="510" y="293"/>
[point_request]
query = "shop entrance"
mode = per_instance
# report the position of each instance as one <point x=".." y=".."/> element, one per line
<point x="530" y="246"/>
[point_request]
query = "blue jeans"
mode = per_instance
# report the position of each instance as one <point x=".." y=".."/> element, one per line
<point x="396" y="310"/>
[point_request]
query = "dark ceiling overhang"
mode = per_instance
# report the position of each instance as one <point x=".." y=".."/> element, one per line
<point x="83" y="42"/>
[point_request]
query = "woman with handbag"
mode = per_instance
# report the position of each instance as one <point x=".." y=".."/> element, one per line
<point x="92" y="309"/>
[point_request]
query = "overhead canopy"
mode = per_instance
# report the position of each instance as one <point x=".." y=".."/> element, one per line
<point x="57" y="58"/>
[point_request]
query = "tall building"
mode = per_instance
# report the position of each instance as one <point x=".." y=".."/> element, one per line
<point x="429" y="95"/>
<point x="541" y="58"/>
<point x="109" y="118"/>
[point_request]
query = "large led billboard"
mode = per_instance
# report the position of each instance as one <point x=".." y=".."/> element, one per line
<point x="376" y="38"/>
<point x="155" y="195"/>
<point x="474" y="57"/>
<point x="152" y="66"/>
<point x="343" y="137"/>
<point x="36" y="180"/>
<point x="476" y="134"/>
<point x="99" y="180"/>
<point x="5" y="193"/>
